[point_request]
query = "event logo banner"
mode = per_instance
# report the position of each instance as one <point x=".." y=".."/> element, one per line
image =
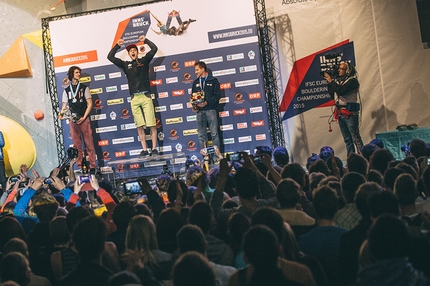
<point x="132" y="28"/>
<point x="307" y="88"/>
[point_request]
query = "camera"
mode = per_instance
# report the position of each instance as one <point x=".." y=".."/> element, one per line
<point x="14" y="179"/>
<point x="84" y="179"/>
<point x="131" y="188"/>
<point x="237" y="156"/>
<point x="47" y="181"/>
<point x="330" y="64"/>
<point x="72" y="153"/>
<point x="210" y="150"/>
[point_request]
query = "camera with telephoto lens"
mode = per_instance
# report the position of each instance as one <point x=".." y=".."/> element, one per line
<point x="331" y="65"/>
<point x="72" y="153"/>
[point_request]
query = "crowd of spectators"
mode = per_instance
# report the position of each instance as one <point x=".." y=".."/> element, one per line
<point x="260" y="220"/>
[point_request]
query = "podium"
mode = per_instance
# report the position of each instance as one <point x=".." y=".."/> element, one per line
<point x="148" y="167"/>
<point x="393" y="140"/>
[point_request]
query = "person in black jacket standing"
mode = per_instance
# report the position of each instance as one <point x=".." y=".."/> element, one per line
<point x="137" y="72"/>
<point x="206" y="110"/>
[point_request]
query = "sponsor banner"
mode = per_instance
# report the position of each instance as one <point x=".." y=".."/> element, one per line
<point x="246" y="82"/>
<point x="160" y="108"/>
<point x="239" y="56"/>
<point x="228" y="141"/>
<point x="226" y="127"/>
<point x="96" y="91"/>
<point x="106" y="129"/>
<point x="248" y="69"/>
<point x="260" y="137"/>
<point x="85" y="79"/>
<point x="164" y="94"/>
<point x="98" y="77"/>
<point x="111" y="88"/>
<point x="128" y="126"/>
<point x="190" y="132"/>
<point x="191" y="118"/>
<point x="119" y="154"/>
<point x="257" y="109"/>
<point x="114" y="75"/>
<point x="122" y="140"/>
<point x="257" y="123"/>
<point x="176" y="106"/>
<point x="98" y="117"/>
<point x="223" y="100"/>
<point x="115" y="101"/>
<point x="244" y="139"/>
<point x="254" y="95"/>
<point x="174" y="120"/>
<point x="165" y="148"/>
<point x="224" y="72"/>
<point x="224" y="113"/>
<point x="103" y="143"/>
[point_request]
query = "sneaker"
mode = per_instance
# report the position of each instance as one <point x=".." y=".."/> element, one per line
<point x="154" y="152"/>
<point x="144" y="153"/>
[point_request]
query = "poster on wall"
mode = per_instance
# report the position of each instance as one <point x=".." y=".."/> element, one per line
<point x="307" y="88"/>
<point x="184" y="34"/>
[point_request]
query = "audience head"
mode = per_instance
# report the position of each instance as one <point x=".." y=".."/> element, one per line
<point x="325" y="202"/>
<point x="191" y="238"/>
<point x="357" y="163"/>
<point x="350" y="183"/>
<point x="288" y="193"/>
<point x="168" y="224"/>
<point x="238" y="224"/>
<point x="10" y="228"/>
<point x="141" y="234"/>
<point x="16" y="245"/>
<point x="311" y="159"/>
<point x="389" y="238"/>
<point x="390" y="177"/>
<point x="201" y="215"/>
<point x="58" y="230"/>
<point x="261" y="247"/>
<point x="272" y="219"/>
<point x="319" y="166"/>
<point x="375" y="176"/>
<point x="361" y="196"/>
<point x="377" y="142"/>
<point x="192" y="269"/>
<point x="418" y="148"/>
<point x="380" y="159"/>
<point x="15" y="267"/>
<point x="368" y="149"/>
<point x="89" y="238"/>
<point x="76" y="215"/>
<point x="296" y="172"/>
<point x="315" y="179"/>
<point x="281" y="157"/>
<point x="45" y="206"/>
<point x="408" y="169"/>
<point x="122" y="214"/>
<point x="383" y="202"/>
<point x="405" y="188"/>
<point x="246" y="183"/>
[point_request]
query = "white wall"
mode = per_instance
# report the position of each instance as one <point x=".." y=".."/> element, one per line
<point x="393" y="66"/>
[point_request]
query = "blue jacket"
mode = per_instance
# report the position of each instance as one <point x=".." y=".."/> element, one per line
<point x="211" y="89"/>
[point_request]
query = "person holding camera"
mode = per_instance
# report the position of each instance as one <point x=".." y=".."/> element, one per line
<point x="344" y="91"/>
<point x="78" y="97"/>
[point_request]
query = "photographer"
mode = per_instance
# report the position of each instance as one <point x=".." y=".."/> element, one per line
<point x="344" y="91"/>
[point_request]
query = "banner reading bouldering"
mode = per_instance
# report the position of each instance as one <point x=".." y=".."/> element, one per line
<point x="307" y="88"/>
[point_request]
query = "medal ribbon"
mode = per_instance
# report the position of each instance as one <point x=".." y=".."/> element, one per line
<point x="74" y="94"/>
